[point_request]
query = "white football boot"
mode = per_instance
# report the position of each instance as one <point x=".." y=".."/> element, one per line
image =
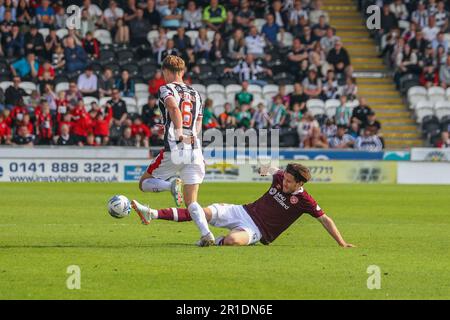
<point x="177" y="191"/>
<point x="144" y="212"/>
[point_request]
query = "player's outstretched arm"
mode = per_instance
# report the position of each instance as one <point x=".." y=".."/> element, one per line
<point x="330" y="226"/>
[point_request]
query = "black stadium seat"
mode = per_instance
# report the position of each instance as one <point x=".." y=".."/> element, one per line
<point x="321" y="118"/>
<point x="115" y="69"/>
<point x="445" y="123"/>
<point x="132" y="69"/>
<point x="125" y="57"/>
<point x="430" y="126"/>
<point x="148" y="71"/>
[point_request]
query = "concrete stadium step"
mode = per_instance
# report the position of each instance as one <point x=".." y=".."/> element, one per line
<point x="337" y="8"/>
<point x="387" y="127"/>
<point x="393" y="114"/>
<point x="407" y="135"/>
<point x="396" y="107"/>
<point x="355" y="40"/>
<point x="389" y="121"/>
<point x="403" y="143"/>
<point x="363" y="86"/>
<point x="382" y="100"/>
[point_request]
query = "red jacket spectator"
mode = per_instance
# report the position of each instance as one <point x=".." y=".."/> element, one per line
<point x="17" y="114"/>
<point x="102" y="122"/>
<point x="5" y="130"/>
<point x="91" y="46"/>
<point x="426" y="77"/>
<point x="26" y="122"/>
<point x="44" y="125"/>
<point x="41" y="71"/>
<point x="81" y="121"/>
<point x="141" y="129"/>
<point x="156" y="83"/>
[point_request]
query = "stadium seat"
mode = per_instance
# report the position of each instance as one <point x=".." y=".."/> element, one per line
<point x="416" y="94"/>
<point x="332" y="103"/>
<point x="286" y="39"/>
<point x="141" y="87"/>
<point x="28" y="86"/>
<point x="330" y="111"/>
<point x="321" y="118"/>
<point x="131" y="104"/>
<point x="436" y="94"/>
<point x="107" y="56"/>
<point x="289" y="88"/>
<point x="45" y="32"/>
<point x="115" y="68"/>
<point x="192" y="34"/>
<point x="232" y="89"/>
<point x="103" y="101"/>
<point x="141" y="102"/>
<point x="152" y="36"/>
<point x="258" y="100"/>
<point x="421" y="113"/>
<point x="259" y="23"/>
<point x="5" y="85"/>
<point x="442" y="109"/>
<point x="200" y="88"/>
<point x="132" y="69"/>
<point x="216" y="97"/>
<point x="125" y="57"/>
<point x="424" y="104"/>
<point x="430" y="125"/>
<point x="445" y="123"/>
<point x="218" y="109"/>
<point x="353" y="104"/>
<point x="88" y="100"/>
<point x="215" y="88"/>
<point x="148" y="71"/>
<point x="315" y="106"/>
<point x="447" y="93"/>
<point x="270" y="90"/>
<point x="255" y="89"/>
<point x="62" y="86"/>
<point x="210" y="35"/>
<point x="62" y="33"/>
<point x="414" y="100"/>
<point x="103" y="36"/>
<point x="171" y="34"/>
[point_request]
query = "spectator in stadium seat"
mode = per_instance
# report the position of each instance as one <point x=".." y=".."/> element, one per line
<point x="44" y="126"/>
<point x="298" y="96"/>
<point x="141" y="132"/>
<point x="255" y="43"/>
<point x="442" y="16"/>
<point x="23" y="137"/>
<point x="101" y="124"/>
<point x="329" y="129"/>
<point x="218" y="49"/>
<point x="159" y="44"/>
<point x="60" y="18"/>
<point x="26" y="67"/>
<point x="431" y="31"/>
<point x="122" y="32"/>
<point x="130" y="10"/>
<point x="24" y="13"/>
<point x="243" y="117"/>
<point x="73" y="95"/>
<point x="65" y="138"/>
<point x="342" y="140"/>
<point x="330" y="86"/>
<point x="243" y="96"/>
<point x="90" y="140"/>
<point x="236" y="45"/>
<point x="312" y="84"/>
<point x="139" y="28"/>
<point x="119" y="108"/>
<point x="308" y="39"/>
<point x="152" y="15"/>
<point x="106" y="83"/>
<point x="171" y="16"/>
<point x="278" y="113"/>
<point x="209" y="119"/>
<point x="127" y="140"/>
<point x="420" y="16"/>
<point x="111" y="15"/>
<point x="443" y="142"/>
<point x="429" y="76"/>
<point x="260" y="118"/>
<point x="192" y="17"/>
<point x="354" y="129"/>
<point x="88" y="23"/>
<point x="329" y="40"/>
<point x="388" y="21"/>
<point x="245" y="16"/>
<point x="81" y="123"/>
<point x="14" y="43"/>
<point x="361" y="112"/>
<point x="170" y="50"/>
<point x="419" y="43"/>
<point x="317" y="12"/>
<point x="126" y="85"/>
<point x="181" y="40"/>
<point x="339" y="58"/>
<point x="75" y="56"/>
<point x="368" y="141"/>
<point x="45" y="15"/>
<point x="440" y="42"/>
<point x="150" y="112"/>
<point x="227" y="118"/>
<point x="202" y="45"/>
<point x="297" y="54"/>
<point x="88" y="83"/>
<point x="50" y="97"/>
<point x="444" y="74"/>
<point x="93" y="9"/>
<point x="270" y="30"/>
<point x="309" y="132"/>
<point x="5" y="130"/>
<point x="91" y="46"/>
<point x="406" y="62"/>
<point x="398" y="8"/>
<point x="214" y="15"/>
<point x="343" y="112"/>
<point x="155" y="83"/>
<point x="372" y="123"/>
<point x="319" y="30"/>
<point x="58" y="58"/>
<point x="350" y="89"/>
<point x="248" y="70"/>
<point x="14" y="93"/>
<point x="296" y="13"/>
<point x="229" y="26"/>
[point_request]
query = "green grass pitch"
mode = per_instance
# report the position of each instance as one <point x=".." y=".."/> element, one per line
<point x="44" y="228"/>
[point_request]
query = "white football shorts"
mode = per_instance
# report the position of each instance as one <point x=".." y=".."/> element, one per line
<point x="234" y="217"/>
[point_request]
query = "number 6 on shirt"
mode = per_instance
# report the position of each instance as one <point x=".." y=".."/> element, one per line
<point x="186" y="113"/>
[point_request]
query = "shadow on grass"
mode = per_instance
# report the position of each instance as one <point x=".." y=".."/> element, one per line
<point x="56" y="246"/>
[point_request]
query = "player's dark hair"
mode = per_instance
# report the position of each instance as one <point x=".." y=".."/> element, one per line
<point x="299" y="172"/>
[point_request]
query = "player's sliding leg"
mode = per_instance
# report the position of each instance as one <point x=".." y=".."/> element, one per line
<point x="198" y="215"/>
<point x="148" y="214"/>
<point x="234" y="238"/>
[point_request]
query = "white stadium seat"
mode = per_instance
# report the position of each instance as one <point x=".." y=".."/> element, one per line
<point x="103" y="36"/>
<point x="152" y="35"/>
<point x="253" y="88"/>
<point x="5" y="85"/>
<point x="414" y="100"/>
<point x="200" y="88"/>
<point x="217" y="98"/>
<point x="104" y="101"/>
<point x="423" y="112"/>
<point x="45" y="32"/>
<point x="62" y="33"/>
<point x="62" y="86"/>
<point x="330" y="111"/>
<point x="447" y="93"/>
<point x="215" y="88"/>
<point x="315" y="106"/>
<point x="286" y="39"/>
<point x="28" y="86"/>
<point x="332" y="103"/>
<point x="171" y="34"/>
<point x="141" y="102"/>
<point x="88" y="100"/>
<point x="259" y="23"/>
<point x="441" y="109"/>
<point x="424" y="104"/>
<point x="210" y="35"/>
<point x="131" y="104"/>
<point x="232" y="89"/>
<point x="289" y="88"/>
<point x="415" y="94"/>
<point x="218" y="109"/>
<point x="141" y="87"/>
<point x="270" y="90"/>
<point x="436" y="94"/>
<point x="192" y="34"/>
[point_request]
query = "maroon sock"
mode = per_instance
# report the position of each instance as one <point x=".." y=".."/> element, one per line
<point x="168" y="214"/>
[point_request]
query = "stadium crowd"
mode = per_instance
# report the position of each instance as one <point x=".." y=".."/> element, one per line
<point x="414" y="41"/>
<point x="85" y="86"/>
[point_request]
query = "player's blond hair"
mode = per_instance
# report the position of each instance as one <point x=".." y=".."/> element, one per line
<point x="174" y="64"/>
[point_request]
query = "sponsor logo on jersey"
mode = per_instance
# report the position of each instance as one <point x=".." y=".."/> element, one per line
<point x="272" y="191"/>
<point x="294" y="200"/>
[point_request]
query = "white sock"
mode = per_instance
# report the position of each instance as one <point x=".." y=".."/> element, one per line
<point x="154" y="214"/>
<point x="198" y="215"/>
<point x="155" y="185"/>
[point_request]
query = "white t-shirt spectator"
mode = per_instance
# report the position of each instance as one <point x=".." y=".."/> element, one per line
<point x="94" y="10"/>
<point x="371" y="143"/>
<point x="255" y="45"/>
<point x="87" y="84"/>
<point x="430" y="33"/>
<point x="109" y="14"/>
<point x="247" y="72"/>
<point x="296" y="15"/>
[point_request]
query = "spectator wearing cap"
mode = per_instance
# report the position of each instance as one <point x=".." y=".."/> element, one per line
<point x="214" y="15"/>
<point x="45" y="15"/>
<point x="342" y="140"/>
<point x="14" y="93"/>
<point x="192" y="17"/>
<point x="75" y="56"/>
<point x="126" y="85"/>
<point x="444" y="73"/>
<point x="172" y="15"/>
<point x="88" y="83"/>
<point x="139" y="28"/>
<point x="26" y="67"/>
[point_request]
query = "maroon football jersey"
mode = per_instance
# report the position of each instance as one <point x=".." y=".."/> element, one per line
<point x="275" y="211"/>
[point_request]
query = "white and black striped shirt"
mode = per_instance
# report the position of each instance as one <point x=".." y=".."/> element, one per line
<point x="372" y="143"/>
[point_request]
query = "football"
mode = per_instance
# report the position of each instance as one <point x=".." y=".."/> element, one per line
<point x="119" y="206"/>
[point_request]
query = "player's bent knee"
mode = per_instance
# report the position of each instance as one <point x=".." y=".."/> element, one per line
<point x="233" y="241"/>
